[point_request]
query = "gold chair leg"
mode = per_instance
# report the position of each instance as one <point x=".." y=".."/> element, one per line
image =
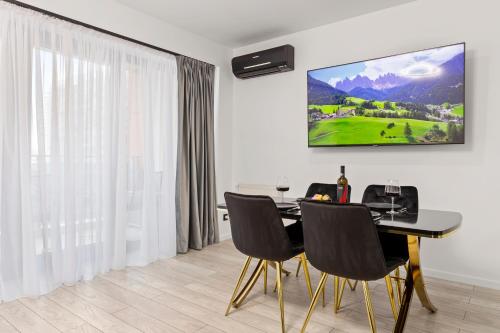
<point x="336" y="287"/>
<point x="303" y="260"/>
<point x="238" y="284"/>
<point x="249" y="285"/>
<point x="369" y="307"/>
<point x="280" y="294"/>
<point x="298" y="269"/>
<point x="275" y="284"/>
<point x="321" y="287"/>
<point x="283" y="270"/>
<point x="265" y="276"/>
<point x="323" y="292"/>
<point x="352" y="286"/>
<point x="339" y="296"/>
<point x="390" y="292"/>
<point x="398" y="285"/>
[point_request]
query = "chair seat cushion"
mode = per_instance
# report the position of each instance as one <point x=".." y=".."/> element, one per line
<point x="393" y="262"/>
<point x="394" y="245"/>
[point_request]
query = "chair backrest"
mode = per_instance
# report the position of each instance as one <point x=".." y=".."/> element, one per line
<point x="342" y="240"/>
<point x="330" y="189"/>
<point x="257" y="228"/>
<point x="393" y="244"/>
<point x="408" y="198"/>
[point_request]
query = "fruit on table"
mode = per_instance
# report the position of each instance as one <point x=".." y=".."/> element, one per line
<point x="321" y="197"/>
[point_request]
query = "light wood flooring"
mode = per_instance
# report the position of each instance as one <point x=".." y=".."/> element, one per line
<point x="189" y="293"/>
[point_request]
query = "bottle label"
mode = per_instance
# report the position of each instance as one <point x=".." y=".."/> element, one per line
<point x="342" y="194"/>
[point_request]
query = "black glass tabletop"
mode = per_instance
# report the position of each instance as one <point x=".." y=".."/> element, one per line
<point x="286" y="205"/>
<point x="426" y="223"/>
<point x="383" y="205"/>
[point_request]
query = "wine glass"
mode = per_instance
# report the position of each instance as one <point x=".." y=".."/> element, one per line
<point x="282" y="186"/>
<point x="393" y="190"/>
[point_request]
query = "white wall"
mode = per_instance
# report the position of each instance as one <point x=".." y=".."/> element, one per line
<point x="115" y="17"/>
<point x="267" y="135"/>
<point x="270" y="131"/>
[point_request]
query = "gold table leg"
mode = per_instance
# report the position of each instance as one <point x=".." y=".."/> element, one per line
<point x="414" y="280"/>
<point x="416" y="272"/>
<point x="405" y="304"/>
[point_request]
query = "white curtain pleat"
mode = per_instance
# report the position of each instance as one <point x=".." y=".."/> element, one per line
<point x="88" y="136"/>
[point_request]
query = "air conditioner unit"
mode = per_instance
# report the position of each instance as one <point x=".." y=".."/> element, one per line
<point x="275" y="60"/>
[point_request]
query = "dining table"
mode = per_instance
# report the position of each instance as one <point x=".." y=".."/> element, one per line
<point x="426" y="223"/>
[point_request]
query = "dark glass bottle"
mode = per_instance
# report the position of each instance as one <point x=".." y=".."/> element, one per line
<point x="342" y="186"/>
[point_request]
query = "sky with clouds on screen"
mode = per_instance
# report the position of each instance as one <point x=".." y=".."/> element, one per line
<point x="412" y="65"/>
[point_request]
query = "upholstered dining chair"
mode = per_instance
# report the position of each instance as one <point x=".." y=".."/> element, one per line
<point x="323" y="188"/>
<point x="395" y="245"/>
<point x="331" y="190"/>
<point x="342" y="241"/>
<point x="258" y="232"/>
<point x="408" y="198"/>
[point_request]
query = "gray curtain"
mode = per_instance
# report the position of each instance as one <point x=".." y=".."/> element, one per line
<point x="197" y="224"/>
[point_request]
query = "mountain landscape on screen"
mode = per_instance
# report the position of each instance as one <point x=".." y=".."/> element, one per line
<point x="413" y="98"/>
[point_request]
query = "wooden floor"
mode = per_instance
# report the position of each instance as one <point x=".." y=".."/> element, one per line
<point x="189" y="293"/>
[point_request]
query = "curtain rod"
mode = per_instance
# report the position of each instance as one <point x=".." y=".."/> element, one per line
<point x="89" y="26"/>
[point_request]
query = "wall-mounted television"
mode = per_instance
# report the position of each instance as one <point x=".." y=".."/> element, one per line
<point x="415" y="98"/>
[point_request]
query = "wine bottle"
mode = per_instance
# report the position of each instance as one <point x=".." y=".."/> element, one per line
<point x="342" y="186"/>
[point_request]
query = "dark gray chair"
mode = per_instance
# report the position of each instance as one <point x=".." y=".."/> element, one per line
<point x="342" y="240"/>
<point x="331" y="190"/>
<point x="258" y="232"/>
<point x="323" y="188"/>
<point x="408" y="198"/>
<point x="395" y="245"/>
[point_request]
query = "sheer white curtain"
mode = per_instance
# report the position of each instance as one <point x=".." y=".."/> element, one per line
<point x="88" y="134"/>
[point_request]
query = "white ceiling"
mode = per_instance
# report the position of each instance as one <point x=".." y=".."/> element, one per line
<point x="238" y="22"/>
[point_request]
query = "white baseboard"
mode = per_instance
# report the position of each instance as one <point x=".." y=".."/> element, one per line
<point x="468" y="279"/>
<point x="224" y="236"/>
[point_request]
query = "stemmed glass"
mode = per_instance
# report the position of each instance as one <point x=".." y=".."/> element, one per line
<point x="393" y="190"/>
<point x="282" y="186"/>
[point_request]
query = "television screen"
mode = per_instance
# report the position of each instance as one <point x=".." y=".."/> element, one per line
<point x="415" y="98"/>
